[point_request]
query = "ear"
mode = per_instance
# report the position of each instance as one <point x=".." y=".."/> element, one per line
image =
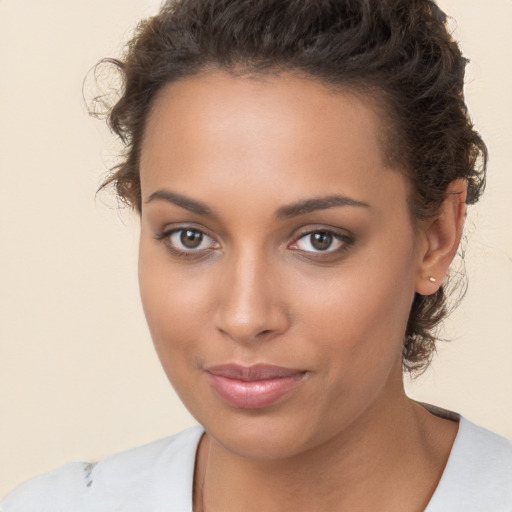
<point x="440" y="239"/>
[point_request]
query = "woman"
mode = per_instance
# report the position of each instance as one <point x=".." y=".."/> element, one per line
<point x="301" y="170"/>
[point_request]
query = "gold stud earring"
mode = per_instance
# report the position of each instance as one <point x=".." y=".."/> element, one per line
<point x="432" y="279"/>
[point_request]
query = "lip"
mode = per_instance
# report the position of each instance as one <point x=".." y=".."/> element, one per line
<point x="253" y="387"/>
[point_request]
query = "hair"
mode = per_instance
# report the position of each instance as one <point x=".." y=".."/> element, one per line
<point x="398" y="52"/>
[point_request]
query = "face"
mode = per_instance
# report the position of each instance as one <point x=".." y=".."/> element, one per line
<point x="277" y="259"/>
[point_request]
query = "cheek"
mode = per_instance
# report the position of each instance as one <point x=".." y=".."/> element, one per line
<point x="355" y="328"/>
<point x="360" y="313"/>
<point x="173" y="302"/>
<point x="175" y="317"/>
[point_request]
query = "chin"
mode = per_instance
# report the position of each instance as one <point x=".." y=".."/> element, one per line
<point x="273" y="433"/>
<point x="260" y="440"/>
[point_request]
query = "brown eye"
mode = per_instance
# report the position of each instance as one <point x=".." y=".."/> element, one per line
<point x="187" y="241"/>
<point x="321" y="241"/>
<point x="191" y="239"/>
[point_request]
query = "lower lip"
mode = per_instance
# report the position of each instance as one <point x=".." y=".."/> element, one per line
<point x="254" y="394"/>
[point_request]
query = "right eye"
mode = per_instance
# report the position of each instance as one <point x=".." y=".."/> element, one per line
<point x="187" y="241"/>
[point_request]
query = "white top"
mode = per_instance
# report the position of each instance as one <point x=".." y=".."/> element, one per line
<point x="158" y="477"/>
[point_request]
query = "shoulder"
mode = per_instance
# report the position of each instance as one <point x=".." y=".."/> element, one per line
<point x="478" y="475"/>
<point x="478" y="452"/>
<point x="148" y="477"/>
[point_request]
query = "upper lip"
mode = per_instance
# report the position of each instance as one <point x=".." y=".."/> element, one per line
<point x="252" y="373"/>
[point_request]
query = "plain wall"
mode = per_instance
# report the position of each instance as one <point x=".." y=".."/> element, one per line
<point x="78" y="375"/>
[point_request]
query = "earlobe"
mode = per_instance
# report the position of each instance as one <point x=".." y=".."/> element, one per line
<point x="442" y="236"/>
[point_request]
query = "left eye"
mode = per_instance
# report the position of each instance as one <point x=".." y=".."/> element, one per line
<point x="188" y="240"/>
<point x="319" y="241"/>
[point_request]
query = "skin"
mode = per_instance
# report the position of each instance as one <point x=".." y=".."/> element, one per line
<point x="257" y="291"/>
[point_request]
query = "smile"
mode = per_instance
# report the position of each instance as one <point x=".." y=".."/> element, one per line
<point x="253" y="387"/>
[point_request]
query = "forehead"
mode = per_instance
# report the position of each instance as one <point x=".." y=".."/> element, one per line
<point x="294" y="135"/>
<point x="301" y="108"/>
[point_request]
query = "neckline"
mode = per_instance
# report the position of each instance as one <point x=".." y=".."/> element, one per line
<point x="445" y="414"/>
<point x="448" y="476"/>
<point x="477" y="474"/>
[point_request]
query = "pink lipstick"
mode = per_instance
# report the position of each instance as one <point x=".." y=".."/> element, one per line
<point x="253" y="387"/>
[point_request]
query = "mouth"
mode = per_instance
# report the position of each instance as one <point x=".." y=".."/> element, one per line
<point x="253" y="387"/>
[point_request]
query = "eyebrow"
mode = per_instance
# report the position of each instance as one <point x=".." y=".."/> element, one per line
<point x="284" y="212"/>
<point x="191" y="205"/>
<point x="319" y="203"/>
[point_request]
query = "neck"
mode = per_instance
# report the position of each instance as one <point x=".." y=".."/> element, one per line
<point x="362" y="468"/>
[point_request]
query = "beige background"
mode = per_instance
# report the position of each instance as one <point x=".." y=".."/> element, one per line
<point x="78" y="377"/>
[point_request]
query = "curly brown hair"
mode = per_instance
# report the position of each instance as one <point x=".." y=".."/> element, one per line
<point x="398" y="51"/>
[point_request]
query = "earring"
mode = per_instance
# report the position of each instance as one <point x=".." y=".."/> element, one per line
<point x="432" y="279"/>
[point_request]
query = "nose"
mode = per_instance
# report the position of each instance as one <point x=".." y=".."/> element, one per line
<point x="250" y="305"/>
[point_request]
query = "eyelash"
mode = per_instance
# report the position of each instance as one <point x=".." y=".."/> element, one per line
<point x="182" y="253"/>
<point x="345" y="240"/>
